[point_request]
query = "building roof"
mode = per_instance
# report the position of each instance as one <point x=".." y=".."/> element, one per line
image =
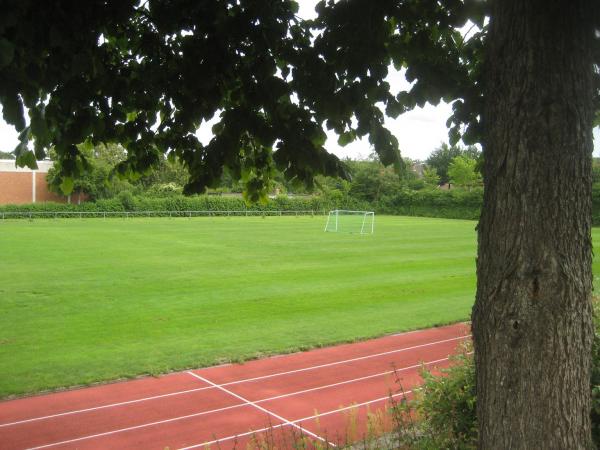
<point x="9" y="165"/>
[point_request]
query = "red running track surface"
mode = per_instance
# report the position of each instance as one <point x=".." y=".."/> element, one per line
<point x="323" y="394"/>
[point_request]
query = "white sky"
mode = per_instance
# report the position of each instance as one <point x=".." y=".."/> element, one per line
<point x="419" y="131"/>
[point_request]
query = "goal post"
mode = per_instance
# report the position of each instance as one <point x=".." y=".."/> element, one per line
<point x="345" y="221"/>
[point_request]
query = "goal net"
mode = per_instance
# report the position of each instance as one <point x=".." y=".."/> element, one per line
<point x="343" y="221"/>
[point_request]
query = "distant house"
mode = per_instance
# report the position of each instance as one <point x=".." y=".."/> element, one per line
<point x="21" y="185"/>
<point x="418" y="167"/>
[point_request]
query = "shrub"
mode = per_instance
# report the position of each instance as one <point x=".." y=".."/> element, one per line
<point x="109" y="205"/>
<point x="127" y="200"/>
<point x="446" y="404"/>
<point x="164" y="190"/>
<point x="416" y="184"/>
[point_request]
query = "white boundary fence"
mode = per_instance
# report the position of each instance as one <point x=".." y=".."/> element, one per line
<point x="130" y="214"/>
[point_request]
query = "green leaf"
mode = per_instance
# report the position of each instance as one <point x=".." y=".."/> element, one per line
<point x="454" y="135"/>
<point x="38" y="127"/>
<point x="25" y="157"/>
<point x="7" y="52"/>
<point x="87" y="146"/>
<point x="320" y="7"/>
<point x="394" y="108"/>
<point x="218" y="128"/>
<point x="39" y="151"/>
<point x="346" y="138"/>
<point x="12" y="108"/>
<point x="318" y="138"/>
<point x="66" y="185"/>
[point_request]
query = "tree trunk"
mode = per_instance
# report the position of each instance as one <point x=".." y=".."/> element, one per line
<point x="532" y="319"/>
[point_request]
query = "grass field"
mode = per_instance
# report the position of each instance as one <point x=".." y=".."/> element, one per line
<point x="92" y="300"/>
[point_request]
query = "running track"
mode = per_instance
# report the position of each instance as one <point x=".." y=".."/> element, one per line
<point x="313" y="394"/>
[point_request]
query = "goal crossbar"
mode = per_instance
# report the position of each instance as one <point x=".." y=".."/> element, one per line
<point x="342" y="220"/>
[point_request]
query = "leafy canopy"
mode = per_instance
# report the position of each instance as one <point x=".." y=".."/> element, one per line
<point x="441" y="158"/>
<point x="95" y="180"/>
<point x="431" y="176"/>
<point x="463" y="171"/>
<point x="147" y="74"/>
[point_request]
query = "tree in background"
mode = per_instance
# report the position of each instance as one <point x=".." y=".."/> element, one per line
<point x="371" y="180"/>
<point x="524" y="84"/>
<point x="97" y="179"/>
<point x="431" y="177"/>
<point x="462" y="171"/>
<point x="83" y="183"/>
<point x="7" y="155"/>
<point x="167" y="177"/>
<point x="441" y="158"/>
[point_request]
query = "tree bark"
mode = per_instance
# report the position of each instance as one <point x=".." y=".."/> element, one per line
<point x="532" y="319"/>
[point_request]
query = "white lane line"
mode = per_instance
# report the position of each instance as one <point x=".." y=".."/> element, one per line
<point x="344" y="361"/>
<point x="260" y="408"/>
<point x="353" y="380"/>
<point x="111" y="405"/>
<point x="277" y="397"/>
<point x="316" y="416"/>
<point x="230" y="383"/>
<point x="136" y="427"/>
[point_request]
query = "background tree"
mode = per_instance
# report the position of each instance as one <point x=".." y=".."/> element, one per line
<point x="97" y="179"/>
<point x="166" y="172"/>
<point x="7" y="155"/>
<point x="462" y="172"/>
<point x="442" y="157"/>
<point x="431" y="177"/>
<point x="371" y="180"/>
<point x="525" y="86"/>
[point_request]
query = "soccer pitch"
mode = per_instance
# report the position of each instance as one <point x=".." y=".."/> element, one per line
<point x="92" y="300"/>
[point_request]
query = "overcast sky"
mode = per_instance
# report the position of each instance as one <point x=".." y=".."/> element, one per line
<point x="419" y="132"/>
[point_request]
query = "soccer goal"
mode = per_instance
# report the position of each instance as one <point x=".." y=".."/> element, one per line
<point x="340" y="220"/>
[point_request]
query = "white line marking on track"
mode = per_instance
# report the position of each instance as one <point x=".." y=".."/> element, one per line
<point x="136" y="427"/>
<point x="334" y="411"/>
<point x="201" y="413"/>
<point x="189" y="416"/>
<point x="271" y="413"/>
<point x="111" y="405"/>
<point x="246" y="380"/>
<point x="344" y="361"/>
<point x="353" y="380"/>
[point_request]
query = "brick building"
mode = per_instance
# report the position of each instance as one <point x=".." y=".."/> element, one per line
<point x="21" y="185"/>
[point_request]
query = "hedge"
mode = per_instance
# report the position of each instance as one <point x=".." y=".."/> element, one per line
<point x="176" y="203"/>
<point x="453" y="204"/>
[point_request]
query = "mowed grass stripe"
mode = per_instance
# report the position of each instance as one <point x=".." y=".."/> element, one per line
<point x="92" y="300"/>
